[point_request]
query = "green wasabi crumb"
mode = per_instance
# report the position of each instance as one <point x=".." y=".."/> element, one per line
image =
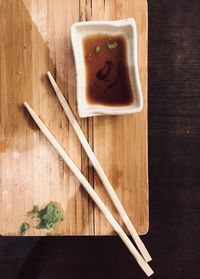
<point x="24" y="228"/>
<point x="50" y="216"/>
<point x="35" y="210"/>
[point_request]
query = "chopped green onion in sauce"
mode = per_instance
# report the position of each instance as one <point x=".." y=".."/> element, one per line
<point x="97" y="49"/>
<point x="112" y="45"/>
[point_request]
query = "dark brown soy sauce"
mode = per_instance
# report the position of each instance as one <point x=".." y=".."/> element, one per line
<point x="107" y="73"/>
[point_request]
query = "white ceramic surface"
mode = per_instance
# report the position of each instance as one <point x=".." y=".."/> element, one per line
<point x="125" y="27"/>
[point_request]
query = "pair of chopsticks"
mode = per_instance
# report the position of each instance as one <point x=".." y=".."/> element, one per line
<point x="142" y="258"/>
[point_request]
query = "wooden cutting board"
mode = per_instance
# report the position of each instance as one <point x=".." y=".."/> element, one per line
<point x="35" y="38"/>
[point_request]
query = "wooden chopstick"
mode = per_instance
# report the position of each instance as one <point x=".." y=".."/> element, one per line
<point x="99" y="170"/>
<point x="144" y="265"/>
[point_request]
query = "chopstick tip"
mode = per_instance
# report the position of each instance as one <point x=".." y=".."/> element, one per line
<point x="25" y="104"/>
<point x="150" y="274"/>
<point x="147" y="257"/>
<point x="149" y="260"/>
<point x="49" y="74"/>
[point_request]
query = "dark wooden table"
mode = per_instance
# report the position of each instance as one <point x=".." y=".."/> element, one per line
<point x="174" y="160"/>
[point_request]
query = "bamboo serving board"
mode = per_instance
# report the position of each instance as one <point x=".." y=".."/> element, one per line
<point x="35" y="38"/>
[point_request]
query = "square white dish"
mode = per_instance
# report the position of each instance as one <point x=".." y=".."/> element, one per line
<point x="125" y="27"/>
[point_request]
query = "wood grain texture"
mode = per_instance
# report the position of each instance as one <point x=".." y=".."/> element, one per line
<point x="120" y="142"/>
<point x="35" y="37"/>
